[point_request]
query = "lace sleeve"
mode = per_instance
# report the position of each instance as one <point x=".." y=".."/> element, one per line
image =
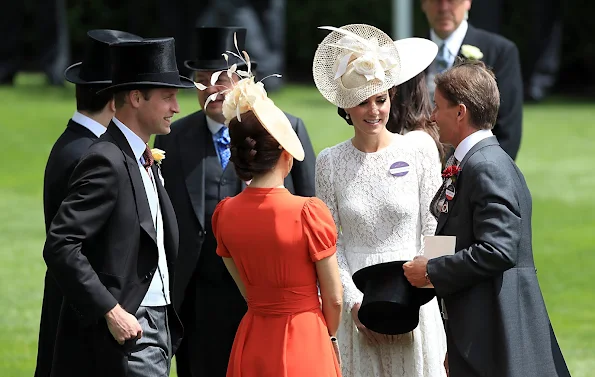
<point x="326" y="192"/>
<point x="430" y="178"/>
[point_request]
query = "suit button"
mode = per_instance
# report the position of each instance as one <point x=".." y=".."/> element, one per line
<point x="224" y="181"/>
<point x="201" y="233"/>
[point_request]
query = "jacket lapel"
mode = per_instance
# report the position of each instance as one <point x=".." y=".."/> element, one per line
<point x="470" y="39"/>
<point x="140" y="196"/>
<point x="444" y="215"/>
<point x="168" y="216"/>
<point x="482" y="144"/>
<point x="192" y="152"/>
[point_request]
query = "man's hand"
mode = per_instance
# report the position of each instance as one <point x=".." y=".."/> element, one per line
<point x="415" y="271"/>
<point x="123" y="325"/>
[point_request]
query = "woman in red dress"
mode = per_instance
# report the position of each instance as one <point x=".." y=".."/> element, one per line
<point x="278" y="247"/>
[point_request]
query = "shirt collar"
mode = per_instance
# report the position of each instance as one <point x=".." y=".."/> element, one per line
<point x="453" y="41"/>
<point x="136" y="143"/>
<point x="92" y="125"/>
<point x="469" y="142"/>
<point x="214" y="127"/>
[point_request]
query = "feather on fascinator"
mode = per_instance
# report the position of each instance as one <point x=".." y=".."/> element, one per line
<point x="248" y="95"/>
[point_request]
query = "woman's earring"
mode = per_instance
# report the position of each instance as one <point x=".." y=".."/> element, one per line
<point x="347" y="116"/>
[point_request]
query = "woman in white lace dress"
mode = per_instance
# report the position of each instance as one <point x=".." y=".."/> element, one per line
<point x="378" y="186"/>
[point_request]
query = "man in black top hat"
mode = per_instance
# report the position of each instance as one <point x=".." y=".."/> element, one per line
<point x="112" y="244"/>
<point x="198" y="174"/>
<point x="93" y="114"/>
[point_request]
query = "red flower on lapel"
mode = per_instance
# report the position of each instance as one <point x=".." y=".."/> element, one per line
<point x="451" y="171"/>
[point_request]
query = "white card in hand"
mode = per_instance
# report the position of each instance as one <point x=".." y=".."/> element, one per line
<point x="437" y="246"/>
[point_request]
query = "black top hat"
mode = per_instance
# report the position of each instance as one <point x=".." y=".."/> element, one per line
<point x="391" y="304"/>
<point x="211" y="43"/>
<point x="148" y="63"/>
<point x="95" y="69"/>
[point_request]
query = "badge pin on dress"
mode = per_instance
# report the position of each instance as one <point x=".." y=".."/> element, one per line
<point x="399" y="169"/>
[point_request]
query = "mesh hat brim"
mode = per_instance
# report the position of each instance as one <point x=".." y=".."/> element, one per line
<point x="325" y="60"/>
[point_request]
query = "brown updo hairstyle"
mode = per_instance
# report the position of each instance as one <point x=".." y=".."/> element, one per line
<point x="253" y="150"/>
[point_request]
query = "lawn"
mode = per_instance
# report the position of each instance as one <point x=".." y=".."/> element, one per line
<point x="557" y="157"/>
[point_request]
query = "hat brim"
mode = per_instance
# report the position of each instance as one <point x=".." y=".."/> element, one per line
<point x="72" y="74"/>
<point x="185" y="83"/>
<point x="278" y="125"/>
<point x="199" y="66"/>
<point x="361" y="277"/>
<point x="387" y="316"/>
<point x="416" y="55"/>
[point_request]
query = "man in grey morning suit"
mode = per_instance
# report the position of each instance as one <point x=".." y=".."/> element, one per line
<point x="495" y="316"/>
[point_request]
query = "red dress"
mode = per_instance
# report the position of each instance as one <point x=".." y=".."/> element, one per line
<point x="274" y="238"/>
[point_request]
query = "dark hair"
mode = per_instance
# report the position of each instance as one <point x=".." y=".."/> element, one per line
<point x="411" y="109"/>
<point x="120" y="97"/>
<point x="253" y="150"/>
<point x="343" y="114"/>
<point x="471" y="83"/>
<point x="88" y="100"/>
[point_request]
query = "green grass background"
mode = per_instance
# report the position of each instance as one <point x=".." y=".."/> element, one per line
<point x="557" y="157"/>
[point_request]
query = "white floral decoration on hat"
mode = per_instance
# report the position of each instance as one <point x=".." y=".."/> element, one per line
<point x="367" y="57"/>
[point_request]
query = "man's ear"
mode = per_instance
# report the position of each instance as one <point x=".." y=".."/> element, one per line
<point x="111" y="105"/>
<point x="462" y="111"/>
<point x="134" y="97"/>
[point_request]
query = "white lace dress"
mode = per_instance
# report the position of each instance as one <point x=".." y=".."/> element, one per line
<point x="381" y="215"/>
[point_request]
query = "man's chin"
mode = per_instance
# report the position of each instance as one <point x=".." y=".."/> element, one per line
<point x="164" y="129"/>
<point x="444" y="28"/>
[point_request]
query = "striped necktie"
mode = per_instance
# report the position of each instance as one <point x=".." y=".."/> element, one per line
<point x="442" y="59"/>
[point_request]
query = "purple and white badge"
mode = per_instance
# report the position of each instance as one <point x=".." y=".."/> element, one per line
<point x="399" y="168"/>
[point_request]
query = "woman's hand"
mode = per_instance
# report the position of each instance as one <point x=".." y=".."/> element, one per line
<point x="372" y="337"/>
<point x="446" y="363"/>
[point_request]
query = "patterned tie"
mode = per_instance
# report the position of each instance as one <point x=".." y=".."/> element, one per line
<point x="442" y="60"/>
<point x="440" y="197"/>
<point x="222" y="143"/>
<point x="148" y="157"/>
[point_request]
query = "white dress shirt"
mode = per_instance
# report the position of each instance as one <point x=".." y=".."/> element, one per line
<point x="469" y="142"/>
<point x="453" y="44"/>
<point x="97" y="128"/>
<point x="158" y="293"/>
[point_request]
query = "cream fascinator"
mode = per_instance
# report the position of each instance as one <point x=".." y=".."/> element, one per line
<point x="246" y="95"/>
<point x="357" y="61"/>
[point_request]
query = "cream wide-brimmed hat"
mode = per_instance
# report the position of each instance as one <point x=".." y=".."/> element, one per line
<point x="246" y="95"/>
<point x="357" y="61"/>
